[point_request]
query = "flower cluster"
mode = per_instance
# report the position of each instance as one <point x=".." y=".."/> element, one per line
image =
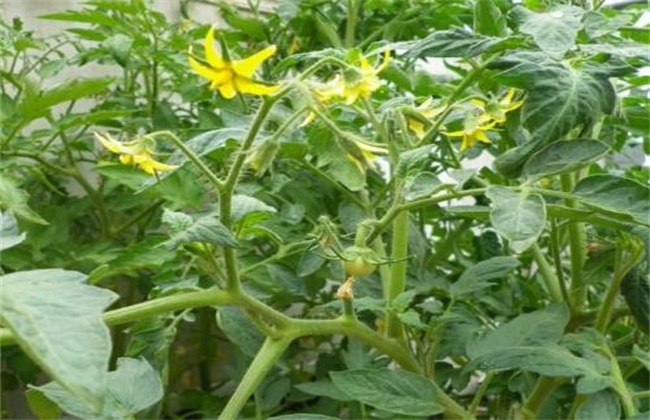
<point x="491" y="113"/>
<point x="356" y="82"/>
<point x="138" y="152"/>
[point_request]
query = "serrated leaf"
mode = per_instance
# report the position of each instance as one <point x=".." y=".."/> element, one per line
<point x="564" y="156"/>
<point x="481" y="275"/>
<point x="517" y="216"/>
<point x="555" y="30"/>
<point x="10" y="235"/>
<point x="207" y="229"/>
<point x="52" y="315"/>
<point x="395" y="391"/>
<point x="614" y="194"/>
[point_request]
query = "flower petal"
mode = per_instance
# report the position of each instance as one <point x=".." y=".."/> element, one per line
<point x="228" y="90"/>
<point x="481" y="136"/>
<point x="247" y="66"/>
<point x="113" y="145"/>
<point x="245" y="85"/>
<point x="216" y="76"/>
<point x="455" y="133"/>
<point x="214" y="59"/>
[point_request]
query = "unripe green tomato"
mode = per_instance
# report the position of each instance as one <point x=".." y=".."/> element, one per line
<point x="359" y="261"/>
<point x="358" y="267"/>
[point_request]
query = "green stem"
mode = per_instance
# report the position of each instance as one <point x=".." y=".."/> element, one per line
<point x="554" y="247"/>
<point x="576" y="247"/>
<point x="350" y="26"/>
<point x="214" y="180"/>
<point x="551" y="280"/>
<point x="533" y="404"/>
<point x="397" y="280"/>
<point x="627" y="401"/>
<point x="265" y="359"/>
<point x="607" y="307"/>
<point x="480" y="393"/>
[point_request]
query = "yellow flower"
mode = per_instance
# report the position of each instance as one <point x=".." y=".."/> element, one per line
<point x="230" y="77"/>
<point x="427" y="111"/>
<point x="362" y="82"/>
<point x="137" y="152"/>
<point x="496" y="110"/>
<point x="361" y="152"/>
<point x="474" y="130"/>
<point x="324" y="93"/>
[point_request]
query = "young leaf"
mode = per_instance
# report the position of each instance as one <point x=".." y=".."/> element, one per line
<point x="616" y="195"/>
<point x="53" y="314"/>
<point x="395" y="391"/>
<point x="481" y="275"/>
<point x="554" y="31"/>
<point x="517" y="216"/>
<point x="564" y="156"/>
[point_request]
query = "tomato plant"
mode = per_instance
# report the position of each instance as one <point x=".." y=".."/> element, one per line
<point x="326" y="209"/>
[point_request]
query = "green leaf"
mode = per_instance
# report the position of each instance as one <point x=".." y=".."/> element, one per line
<point x="560" y="98"/>
<point x="119" y="46"/>
<point x="53" y="314"/>
<point x="546" y="360"/>
<point x="37" y="104"/>
<point x="10" y="235"/>
<point x="15" y="200"/>
<point x="488" y="19"/>
<point x="323" y="388"/>
<point x="616" y="195"/>
<point x="517" y="216"/>
<point x="41" y="406"/>
<point x="458" y="42"/>
<point x="132" y="387"/>
<point x="204" y="144"/>
<point x="207" y="229"/>
<point x="564" y="156"/>
<point x="240" y="330"/>
<point x="481" y="275"/>
<point x="554" y="31"/>
<point x="596" y="24"/>
<point x="422" y="185"/>
<point x="395" y="391"/>
<point x="535" y="328"/>
<point x="244" y="206"/>
<point x="602" y="405"/>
